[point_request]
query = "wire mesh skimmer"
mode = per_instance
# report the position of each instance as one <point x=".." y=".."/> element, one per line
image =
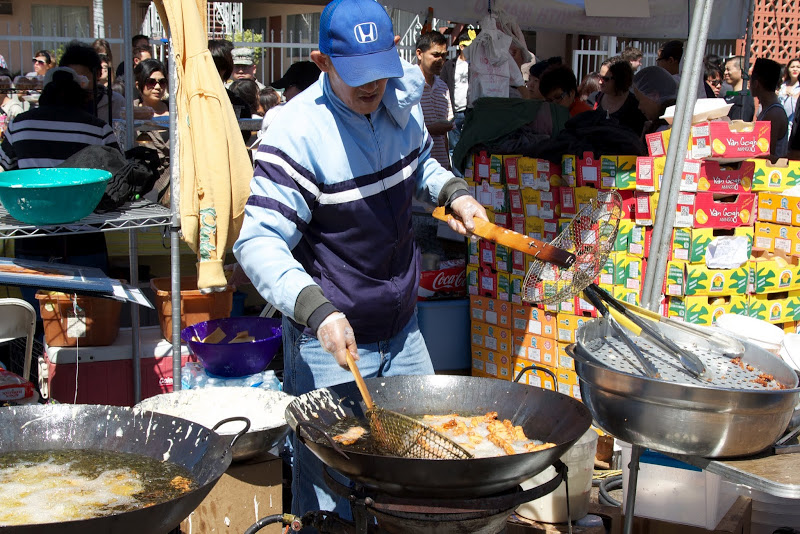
<point x="402" y="435"/>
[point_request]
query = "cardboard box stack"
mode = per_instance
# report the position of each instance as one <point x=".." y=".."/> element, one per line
<point x="731" y="202"/>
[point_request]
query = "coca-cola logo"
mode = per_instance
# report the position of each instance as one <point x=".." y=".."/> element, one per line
<point x="445" y="281"/>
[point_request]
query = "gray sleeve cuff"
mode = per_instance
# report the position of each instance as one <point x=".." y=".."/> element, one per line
<point x="312" y="307"/>
<point x="454" y="188"/>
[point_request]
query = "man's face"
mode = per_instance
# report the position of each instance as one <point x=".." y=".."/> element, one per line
<point x="244" y="72"/>
<point x="733" y="73"/>
<point x="362" y="100"/>
<point x="636" y="63"/>
<point x="142" y="57"/>
<point x="432" y="60"/>
<point x="668" y="64"/>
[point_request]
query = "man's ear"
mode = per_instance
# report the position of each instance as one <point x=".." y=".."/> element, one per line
<point x="321" y="60"/>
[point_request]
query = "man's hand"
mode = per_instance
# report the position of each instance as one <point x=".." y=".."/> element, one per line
<point x="337" y="337"/>
<point x="465" y="208"/>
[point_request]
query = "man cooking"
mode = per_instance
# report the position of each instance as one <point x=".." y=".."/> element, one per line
<point x="327" y="232"/>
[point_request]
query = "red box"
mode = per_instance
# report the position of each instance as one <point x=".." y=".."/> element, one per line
<point x="488" y="253"/>
<point x="567" y="201"/>
<point x="628" y="204"/>
<point x="711" y="212"/>
<point x="730" y="140"/>
<point x="105" y="374"/>
<point x="482" y="167"/>
<point x="726" y="178"/>
<point x="588" y="170"/>
<point x="515" y="202"/>
<point x="512" y="176"/>
<point x="487" y="283"/>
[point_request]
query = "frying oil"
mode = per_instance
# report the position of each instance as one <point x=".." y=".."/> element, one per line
<point x="68" y="485"/>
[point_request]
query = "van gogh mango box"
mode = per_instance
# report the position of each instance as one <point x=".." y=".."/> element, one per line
<point x="715" y="210"/>
<point x="716" y="177"/>
<point x="618" y="172"/>
<point x="730" y="140"/>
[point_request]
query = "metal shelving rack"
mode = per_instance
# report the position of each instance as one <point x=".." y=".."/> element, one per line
<point x="139" y="214"/>
<point x="132" y="216"/>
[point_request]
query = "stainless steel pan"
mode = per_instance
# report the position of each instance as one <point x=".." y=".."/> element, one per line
<point x="543" y="414"/>
<point x="691" y="416"/>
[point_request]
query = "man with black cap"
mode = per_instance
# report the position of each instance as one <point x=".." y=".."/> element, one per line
<point x="327" y="235"/>
<point x="297" y="79"/>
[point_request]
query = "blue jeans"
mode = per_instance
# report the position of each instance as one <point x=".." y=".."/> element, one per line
<point x="454" y="136"/>
<point x="307" y="367"/>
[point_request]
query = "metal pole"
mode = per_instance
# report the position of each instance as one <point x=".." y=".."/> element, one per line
<point x="133" y="250"/>
<point x="633" y="480"/>
<point x="175" y="224"/>
<point x="748" y="44"/>
<point x="127" y="52"/>
<point x="673" y="169"/>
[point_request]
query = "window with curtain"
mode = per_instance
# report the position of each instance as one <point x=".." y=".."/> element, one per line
<point x="59" y="21"/>
<point x="302" y="28"/>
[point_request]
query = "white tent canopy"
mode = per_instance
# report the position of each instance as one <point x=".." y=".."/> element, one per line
<point x="667" y="18"/>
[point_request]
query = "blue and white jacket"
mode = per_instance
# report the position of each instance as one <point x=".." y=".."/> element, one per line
<point x="328" y="223"/>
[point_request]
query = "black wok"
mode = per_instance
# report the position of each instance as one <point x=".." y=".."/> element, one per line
<point x="205" y="454"/>
<point x="544" y="415"/>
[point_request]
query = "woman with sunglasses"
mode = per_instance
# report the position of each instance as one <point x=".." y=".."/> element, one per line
<point x="42" y="62"/>
<point x="713" y="75"/>
<point x="616" y="99"/>
<point x="151" y="81"/>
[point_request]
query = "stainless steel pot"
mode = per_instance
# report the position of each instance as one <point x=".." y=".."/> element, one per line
<point x="684" y="418"/>
<point x="209" y="406"/>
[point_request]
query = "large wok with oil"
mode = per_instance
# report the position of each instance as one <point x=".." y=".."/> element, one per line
<point x="544" y="415"/>
<point x="204" y="453"/>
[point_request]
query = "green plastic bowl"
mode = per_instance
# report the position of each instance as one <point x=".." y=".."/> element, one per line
<point x="52" y="196"/>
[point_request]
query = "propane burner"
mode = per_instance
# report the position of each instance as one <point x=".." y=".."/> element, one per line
<point x="375" y="512"/>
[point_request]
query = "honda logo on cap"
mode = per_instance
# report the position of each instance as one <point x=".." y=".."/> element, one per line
<point x="366" y="32"/>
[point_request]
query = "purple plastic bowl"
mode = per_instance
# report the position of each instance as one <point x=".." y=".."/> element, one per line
<point x="235" y="359"/>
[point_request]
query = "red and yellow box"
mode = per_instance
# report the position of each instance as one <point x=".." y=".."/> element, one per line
<point x="532" y="320"/>
<point x="568" y="326"/>
<point x="777" y="208"/>
<point x="565" y="361"/>
<point x="511" y="171"/>
<point x="490" y="311"/>
<point x="719" y="210"/>
<point x="730" y="140"/>
<point x="770" y="237"/>
<point x="649" y="171"/>
<point x="491" y="363"/>
<point x="588" y="170"/>
<point x="536" y="349"/>
<point x="492" y="337"/>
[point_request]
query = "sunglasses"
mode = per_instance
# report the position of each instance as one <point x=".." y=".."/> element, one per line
<point x="151" y="82"/>
<point x="606" y="79"/>
<point x="39" y="62"/>
<point x="715" y="83"/>
<point x="558" y="98"/>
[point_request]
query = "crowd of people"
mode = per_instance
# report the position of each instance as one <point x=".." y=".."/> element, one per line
<point x="634" y="96"/>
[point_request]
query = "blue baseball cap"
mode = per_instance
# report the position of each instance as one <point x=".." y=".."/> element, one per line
<point x="359" y="38"/>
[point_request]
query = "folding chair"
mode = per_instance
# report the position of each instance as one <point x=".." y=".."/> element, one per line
<point x="18" y="319"/>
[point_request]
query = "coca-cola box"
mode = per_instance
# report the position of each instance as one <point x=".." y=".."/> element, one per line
<point x="448" y="282"/>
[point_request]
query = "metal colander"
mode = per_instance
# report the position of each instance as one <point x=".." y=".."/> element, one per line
<point x="590" y="237"/>
<point x="600" y="343"/>
<point x="406" y="437"/>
